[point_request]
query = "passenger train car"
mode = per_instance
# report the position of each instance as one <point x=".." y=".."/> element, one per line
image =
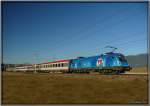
<point x="56" y="66"/>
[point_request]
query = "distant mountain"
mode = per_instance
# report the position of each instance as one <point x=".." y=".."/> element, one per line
<point x="140" y="60"/>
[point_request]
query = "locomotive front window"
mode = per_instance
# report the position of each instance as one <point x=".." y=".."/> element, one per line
<point x="121" y="58"/>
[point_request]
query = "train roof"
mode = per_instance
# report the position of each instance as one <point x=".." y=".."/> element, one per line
<point x="103" y="54"/>
<point x="58" y="61"/>
<point x="112" y="53"/>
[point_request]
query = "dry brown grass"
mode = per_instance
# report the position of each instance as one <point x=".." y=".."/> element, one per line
<point x="140" y="70"/>
<point x="23" y="88"/>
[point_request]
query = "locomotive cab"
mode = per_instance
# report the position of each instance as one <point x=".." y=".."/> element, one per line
<point x="115" y="62"/>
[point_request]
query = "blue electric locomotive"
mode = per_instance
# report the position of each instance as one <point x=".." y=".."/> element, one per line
<point x="104" y="63"/>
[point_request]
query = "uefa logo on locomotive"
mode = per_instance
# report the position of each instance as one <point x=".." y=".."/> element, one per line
<point x="99" y="62"/>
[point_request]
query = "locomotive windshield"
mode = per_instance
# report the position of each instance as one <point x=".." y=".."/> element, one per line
<point x="122" y="58"/>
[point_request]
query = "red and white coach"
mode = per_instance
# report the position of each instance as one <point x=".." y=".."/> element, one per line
<point x="56" y="66"/>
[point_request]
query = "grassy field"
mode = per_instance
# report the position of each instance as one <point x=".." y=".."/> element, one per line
<point x="28" y="88"/>
<point x="140" y="70"/>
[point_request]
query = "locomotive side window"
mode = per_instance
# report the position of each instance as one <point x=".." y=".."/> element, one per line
<point x="62" y="64"/>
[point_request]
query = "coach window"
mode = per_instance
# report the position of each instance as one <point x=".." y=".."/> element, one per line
<point x="65" y="64"/>
<point x="62" y="64"/>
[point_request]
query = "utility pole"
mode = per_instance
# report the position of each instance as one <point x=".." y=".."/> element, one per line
<point x="35" y="68"/>
<point x="35" y="56"/>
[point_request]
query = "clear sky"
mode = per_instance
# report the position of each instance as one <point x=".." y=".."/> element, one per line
<point x="40" y="32"/>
